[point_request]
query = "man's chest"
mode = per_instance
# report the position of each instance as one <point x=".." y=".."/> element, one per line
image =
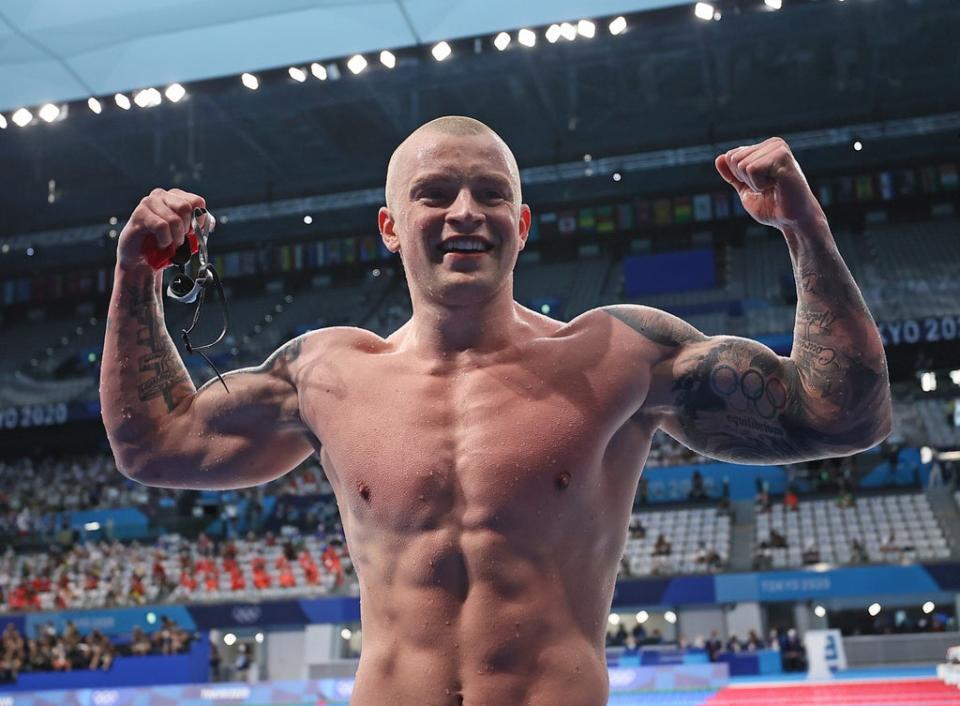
<point x="405" y="447"/>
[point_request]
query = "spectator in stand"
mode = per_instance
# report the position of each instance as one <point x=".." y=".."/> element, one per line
<point x="662" y="546"/>
<point x="889" y="546"/>
<point x="763" y="500"/>
<point x="733" y="644"/>
<point x="216" y="662"/>
<point x="637" y="530"/>
<point x="811" y="554"/>
<point x="713" y="646"/>
<point x="139" y="642"/>
<point x="707" y="557"/>
<point x="754" y="642"/>
<point x="698" y="491"/>
<point x="792" y="652"/>
<point x="858" y="553"/>
<point x="790" y="500"/>
<point x="101" y="651"/>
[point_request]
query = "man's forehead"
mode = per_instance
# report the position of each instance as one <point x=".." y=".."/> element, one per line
<point x="432" y="150"/>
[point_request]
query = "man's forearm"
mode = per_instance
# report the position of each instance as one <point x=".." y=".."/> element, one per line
<point x="836" y="344"/>
<point x="142" y="378"/>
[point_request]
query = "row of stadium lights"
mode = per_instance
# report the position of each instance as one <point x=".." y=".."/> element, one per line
<point x="873" y="609"/>
<point x="150" y="97"/>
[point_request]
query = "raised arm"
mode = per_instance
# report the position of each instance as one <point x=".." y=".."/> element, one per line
<point x="734" y="399"/>
<point x="163" y="431"/>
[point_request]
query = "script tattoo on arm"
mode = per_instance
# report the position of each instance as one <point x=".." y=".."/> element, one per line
<point x="162" y="373"/>
<point x="836" y="345"/>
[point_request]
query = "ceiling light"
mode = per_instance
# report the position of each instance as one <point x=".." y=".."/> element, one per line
<point x="3" y="123"/>
<point x="874" y="609"/>
<point x="357" y="63"/>
<point x="229" y="639"/>
<point x="820" y="611"/>
<point x="553" y="33"/>
<point x="586" y="28"/>
<point x="147" y="98"/>
<point x="618" y="26"/>
<point x="121" y="100"/>
<point x="22" y="117"/>
<point x="297" y="74"/>
<point x="527" y="37"/>
<point x="388" y="59"/>
<point x="346" y="633"/>
<point x="568" y="31"/>
<point x="94" y="105"/>
<point x="502" y="41"/>
<point x="642" y="617"/>
<point x="617" y="176"/>
<point x="175" y="92"/>
<point x="318" y="71"/>
<point x="857" y="145"/>
<point x="613" y="619"/>
<point x="703" y="11"/>
<point x="928" y="607"/>
<point x="250" y="81"/>
<point x="49" y="112"/>
<point x="441" y="51"/>
<point x="773" y="4"/>
<point x="670" y="617"/>
<point x="308" y="219"/>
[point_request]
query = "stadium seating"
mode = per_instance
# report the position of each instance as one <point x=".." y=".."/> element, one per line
<point x="688" y="531"/>
<point x="916" y="535"/>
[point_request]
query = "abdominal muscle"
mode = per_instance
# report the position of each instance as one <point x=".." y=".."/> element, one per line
<point x="506" y="635"/>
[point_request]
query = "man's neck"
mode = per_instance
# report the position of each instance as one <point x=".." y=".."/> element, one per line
<point x="439" y="330"/>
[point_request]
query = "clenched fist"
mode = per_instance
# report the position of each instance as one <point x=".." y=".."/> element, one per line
<point x="771" y="186"/>
<point x="163" y="214"/>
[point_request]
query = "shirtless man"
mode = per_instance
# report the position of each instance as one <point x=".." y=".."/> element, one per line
<point x="485" y="457"/>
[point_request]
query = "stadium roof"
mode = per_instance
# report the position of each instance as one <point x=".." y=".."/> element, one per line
<point x="60" y="50"/>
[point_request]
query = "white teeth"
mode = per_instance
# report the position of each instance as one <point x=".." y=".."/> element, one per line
<point x="463" y="245"/>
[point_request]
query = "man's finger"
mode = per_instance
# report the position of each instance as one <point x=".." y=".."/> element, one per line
<point x="759" y="168"/>
<point x="179" y="205"/>
<point x="194" y="200"/>
<point x="723" y="167"/>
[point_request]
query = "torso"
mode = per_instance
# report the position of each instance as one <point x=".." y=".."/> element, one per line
<point x="485" y="504"/>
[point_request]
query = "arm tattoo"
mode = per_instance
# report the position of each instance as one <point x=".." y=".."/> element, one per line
<point x="165" y="377"/>
<point x="837" y="349"/>
<point x="655" y="326"/>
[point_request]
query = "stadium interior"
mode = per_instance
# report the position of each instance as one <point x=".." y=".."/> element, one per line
<point x="109" y="584"/>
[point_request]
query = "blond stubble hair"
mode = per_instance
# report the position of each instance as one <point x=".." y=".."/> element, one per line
<point x="459" y="126"/>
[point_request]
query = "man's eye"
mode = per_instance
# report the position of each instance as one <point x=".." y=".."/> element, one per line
<point x="432" y="194"/>
<point x="493" y="195"/>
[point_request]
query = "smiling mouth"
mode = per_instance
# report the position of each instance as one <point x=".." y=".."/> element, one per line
<point x="460" y="245"/>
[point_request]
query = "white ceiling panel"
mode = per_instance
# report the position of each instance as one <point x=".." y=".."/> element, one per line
<point x="60" y="50"/>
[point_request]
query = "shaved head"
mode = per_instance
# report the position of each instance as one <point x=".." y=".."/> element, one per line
<point x="455" y="125"/>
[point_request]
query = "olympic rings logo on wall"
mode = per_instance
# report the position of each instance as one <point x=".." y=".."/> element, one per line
<point x="246" y="614"/>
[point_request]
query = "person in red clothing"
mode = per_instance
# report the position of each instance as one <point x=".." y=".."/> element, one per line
<point x="261" y="579"/>
<point x="237" y="581"/>
<point x="791" y="500"/>
<point x="331" y="562"/>
<point x="188" y="582"/>
<point x="287" y="579"/>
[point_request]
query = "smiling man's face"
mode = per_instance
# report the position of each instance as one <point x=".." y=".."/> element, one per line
<point x="454" y="213"/>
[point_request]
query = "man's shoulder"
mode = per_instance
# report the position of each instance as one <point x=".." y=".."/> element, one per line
<point x="328" y="344"/>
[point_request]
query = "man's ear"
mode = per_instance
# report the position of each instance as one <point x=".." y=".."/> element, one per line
<point x="525" y="219"/>
<point x="387" y="231"/>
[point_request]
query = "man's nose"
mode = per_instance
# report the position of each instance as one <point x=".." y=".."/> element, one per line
<point x="465" y="212"/>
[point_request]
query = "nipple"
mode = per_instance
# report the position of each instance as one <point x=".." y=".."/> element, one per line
<point x="563" y="480"/>
<point x="364" y="490"/>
